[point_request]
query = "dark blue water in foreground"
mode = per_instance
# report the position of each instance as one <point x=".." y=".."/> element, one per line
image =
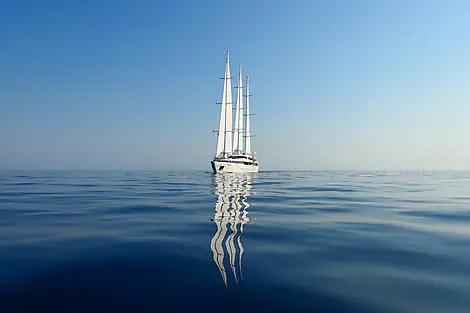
<point x="271" y="242"/>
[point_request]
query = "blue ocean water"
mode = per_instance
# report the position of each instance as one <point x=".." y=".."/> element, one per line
<point x="116" y="241"/>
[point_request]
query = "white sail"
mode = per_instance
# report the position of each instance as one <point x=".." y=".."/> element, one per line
<point x="221" y="136"/>
<point x="238" y="129"/>
<point x="224" y="142"/>
<point x="228" y="109"/>
<point x="247" y="127"/>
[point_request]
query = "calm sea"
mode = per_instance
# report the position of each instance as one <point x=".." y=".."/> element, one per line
<point x="270" y="242"/>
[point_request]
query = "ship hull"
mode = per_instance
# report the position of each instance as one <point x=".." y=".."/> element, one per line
<point x="225" y="166"/>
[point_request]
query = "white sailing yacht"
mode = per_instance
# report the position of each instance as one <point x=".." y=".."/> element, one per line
<point x="234" y="156"/>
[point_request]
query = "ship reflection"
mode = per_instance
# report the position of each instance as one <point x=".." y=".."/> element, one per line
<point x="231" y="212"/>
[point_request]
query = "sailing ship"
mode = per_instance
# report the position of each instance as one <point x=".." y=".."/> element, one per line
<point x="233" y="153"/>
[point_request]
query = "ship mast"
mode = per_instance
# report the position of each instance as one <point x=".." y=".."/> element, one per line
<point x="238" y="136"/>
<point x="247" y="127"/>
<point x="224" y="141"/>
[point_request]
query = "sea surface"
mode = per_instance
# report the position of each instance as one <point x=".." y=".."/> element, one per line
<point x="144" y="241"/>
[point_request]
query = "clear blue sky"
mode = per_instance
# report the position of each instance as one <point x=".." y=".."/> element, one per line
<point x="335" y="84"/>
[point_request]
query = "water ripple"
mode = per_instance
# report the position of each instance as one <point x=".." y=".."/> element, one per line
<point x="275" y="241"/>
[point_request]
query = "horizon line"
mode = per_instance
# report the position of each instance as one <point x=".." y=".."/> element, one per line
<point x="209" y="170"/>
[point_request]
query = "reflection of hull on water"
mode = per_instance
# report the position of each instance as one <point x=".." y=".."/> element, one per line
<point x="230" y="216"/>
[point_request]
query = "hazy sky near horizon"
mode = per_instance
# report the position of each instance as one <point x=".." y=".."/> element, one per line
<point x="336" y="84"/>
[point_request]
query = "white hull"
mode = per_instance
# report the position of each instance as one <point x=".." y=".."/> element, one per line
<point x="228" y="167"/>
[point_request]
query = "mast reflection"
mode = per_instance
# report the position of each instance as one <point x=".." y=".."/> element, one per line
<point x="231" y="212"/>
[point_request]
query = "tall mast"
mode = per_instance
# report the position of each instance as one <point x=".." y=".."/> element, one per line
<point x="224" y="141"/>
<point x="238" y="136"/>
<point x="228" y="109"/>
<point x="247" y="127"/>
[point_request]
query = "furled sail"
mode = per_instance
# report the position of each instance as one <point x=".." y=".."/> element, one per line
<point x="247" y="127"/>
<point x="224" y="142"/>
<point x="238" y="129"/>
